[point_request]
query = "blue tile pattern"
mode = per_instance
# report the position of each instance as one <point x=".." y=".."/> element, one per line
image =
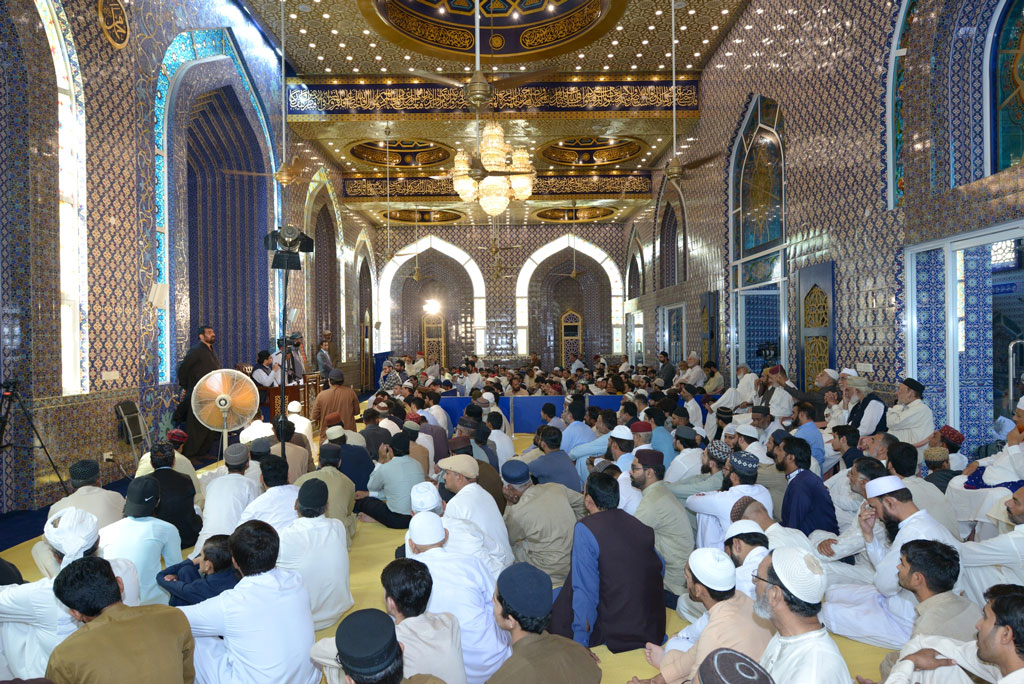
<point x="930" y="331"/>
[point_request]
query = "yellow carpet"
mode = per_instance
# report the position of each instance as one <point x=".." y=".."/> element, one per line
<point x="374" y="547"/>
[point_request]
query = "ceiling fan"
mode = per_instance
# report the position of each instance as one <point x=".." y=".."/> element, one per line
<point x="575" y="272"/>
<point x="495" y="247"/>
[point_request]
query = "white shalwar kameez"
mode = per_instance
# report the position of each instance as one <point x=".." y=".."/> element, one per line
<point x="810" y="658"/>
<point x="882" y="613"/>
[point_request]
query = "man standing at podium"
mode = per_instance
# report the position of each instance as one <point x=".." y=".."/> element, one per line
<point x="200" y="360"/>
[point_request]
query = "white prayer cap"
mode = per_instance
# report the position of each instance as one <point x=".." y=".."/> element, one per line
<point x="747" y="430"/>
<point x="730" y="429"/>
<point x="71" y="533"/>
<point x="712" y="568"/>
<point x="294" y="407"/>
<point x="354" y="438"/>
<point x="621" y="432"/>
<point x="1020" y="404"/>
<point x="426" y="528"/>
<point x="641" y="392"/>
<point x="831" y="373"/>
<point x="424" y="497"/>
<point x="334" y="432"/>
<point x="742" y="527"/>
<point x="409" y="384"/>
<point x="700" y="431"/>
<point x="883" y="485"/>
<point x="692" y="355"/>
<point x="850" y="373"/>
<point x="488" y="397"/>
<point x="629" y="396"/>
<point x="800" y="573"/>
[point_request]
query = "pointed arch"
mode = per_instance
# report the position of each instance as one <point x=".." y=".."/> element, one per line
<point x="894" y="106"/>
<point x="381" y="313"/>
<point x="320" y="181"/>
<point x="636" y="280"/>
<point x="542" y="253"/>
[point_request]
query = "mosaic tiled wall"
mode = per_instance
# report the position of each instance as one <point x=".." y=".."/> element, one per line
<point x="501" y="323"/>
<point x="976" y="390"/>
<point x="120" y="90"/>
<point x="827" y="71"/>
<point x="930" y="333"/>
<point x="443" y="279"/>
<point x="552" y="294"/>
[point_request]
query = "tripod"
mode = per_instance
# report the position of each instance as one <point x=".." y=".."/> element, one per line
<point x="8" y="397"/>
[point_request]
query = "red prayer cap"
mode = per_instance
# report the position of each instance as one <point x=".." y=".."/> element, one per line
<point x="953" y="435"/>
<point x="641" y="426"/>
<point x="332" y="419"/>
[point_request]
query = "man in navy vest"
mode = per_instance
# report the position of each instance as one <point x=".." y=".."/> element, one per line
<point x="614" y="594"/>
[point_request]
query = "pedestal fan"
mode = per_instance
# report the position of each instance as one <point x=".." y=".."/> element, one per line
<point x="225" y="400"/>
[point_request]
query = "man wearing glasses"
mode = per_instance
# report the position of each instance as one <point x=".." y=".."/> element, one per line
<point x="790" y="584"/>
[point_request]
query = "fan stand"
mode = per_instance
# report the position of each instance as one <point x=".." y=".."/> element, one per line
<point x="223" y="403"/>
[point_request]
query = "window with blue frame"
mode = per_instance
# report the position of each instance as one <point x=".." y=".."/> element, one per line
<point x="1007" y="74"/>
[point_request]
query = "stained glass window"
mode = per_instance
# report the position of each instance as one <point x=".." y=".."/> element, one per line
<point x="759" y="182"/>
<point x="1008" y="89"/>
<point x="908" y="16"/>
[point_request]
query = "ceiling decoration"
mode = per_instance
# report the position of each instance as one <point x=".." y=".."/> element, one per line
<point x="573" y="214"/>
<point x="335" y="37"/>
<point x="402" y="154"/>
<point x="591" y="152"/>
<point x="511" y="30"/>
<point x="423" y="217"/>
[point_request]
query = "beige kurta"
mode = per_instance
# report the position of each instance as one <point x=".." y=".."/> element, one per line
<point x="912" y="423"/>
<point x="660" y="510"/>
<point x="540" y="528"/>
<point x="946" y="615"/>
<point x="731" y="624"/>
<point x="341" y="496"/>
<point x="774" y="480"/>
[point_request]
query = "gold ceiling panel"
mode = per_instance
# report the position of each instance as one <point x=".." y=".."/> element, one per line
<point x="333" y="37"/>
<point x="588" y="214"/>
<point x="422" y="217"/>
<point x="518" y="213"/>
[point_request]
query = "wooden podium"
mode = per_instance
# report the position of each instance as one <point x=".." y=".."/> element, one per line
<point x="305" y="394"/>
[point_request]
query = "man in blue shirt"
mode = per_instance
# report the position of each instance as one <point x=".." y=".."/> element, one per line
<point x="555" y="465"/>
<point x="803" y="416"/>
<point x="807" y="505"/>
<point x="606" y="422"/>
<point x="576" y="431"/>
<point x="661" y="438"/>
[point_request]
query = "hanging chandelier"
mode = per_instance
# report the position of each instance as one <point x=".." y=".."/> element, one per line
<point x="513" y="180"/>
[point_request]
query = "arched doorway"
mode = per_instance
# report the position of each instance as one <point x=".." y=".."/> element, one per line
<point x="553" y="293"/>
<point x="326" y="282"/>
<point x="365" y="314"/>
<point x="226" y="215"/>
<point x="435" y="285"/>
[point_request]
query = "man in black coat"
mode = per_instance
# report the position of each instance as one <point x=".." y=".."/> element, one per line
<point x="200" y="360"/>
<point x="177" y="494"/>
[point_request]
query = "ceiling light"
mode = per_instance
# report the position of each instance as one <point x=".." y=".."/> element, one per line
<point x="651" y="27"/>
<point x="326" y="15"/>
<point x="657" y="13"/>
<point x="682" y="28"/>
<point x="366" y="32"/>
<point x="578" y="67"/>
<point x="465" y="68"/>
<point x="696" y="54"/>
<point x="312" y="45"/>
<point x="639" y="54"/>
<point x="689" y="66"/>
<point x="348" y="57"/>
<point x="302" y="31"/>
<point x="615" y="42"/>
<point x="644" y="41"/>
<point x="692" y="12"/>
<point x="341" y="45"/>
<point x="619" y="27"/>
<point x="334" y="32"/>
<point x="705" y="41"/>
<point x="378" y="58"/>
<point x="632" y="66"/>
<point x="611" y="56"/>
<point x="606" y="67"/>
<point x="668" y="54"/>
<point x="714" y="28"/>
<point x="406" y="57"/>
<point x="725" y="11"/>
<point x="373" y="45"/>
<point x="438" y="68"/>
<point x="412" y="68"/>
<point x="355" y="70"/>
<point x="327" y="69"/>
<point x="384" y="69"/>
<point x="320" y="58"/>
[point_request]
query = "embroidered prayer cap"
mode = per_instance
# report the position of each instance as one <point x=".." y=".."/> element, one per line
<point x="84" y="472"/>
<point x="740" y="507"/>
<point x="236" y="454"/>
<point x="424" y="497"/>
<point x="177" y="437"/>
<point x="954" y="435"/>
<point x="719" y="451"/>
<point x="726" y="666"/>
<point x="724" y="413"/>
<point x="744" y="462"/>
<point x="800" y="573"/>
<point x="729" y="429"/>
<point x="936" y="454"/>
<point x="411" y="425"/>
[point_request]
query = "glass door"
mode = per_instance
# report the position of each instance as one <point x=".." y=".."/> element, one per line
<point x="673" y="335"/>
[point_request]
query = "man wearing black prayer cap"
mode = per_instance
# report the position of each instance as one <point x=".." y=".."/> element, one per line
<point x="910" y="420"/>
<point x="522" y="607"/>
<point x="369" y="652"/>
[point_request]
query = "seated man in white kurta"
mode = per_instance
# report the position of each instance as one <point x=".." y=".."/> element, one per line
<point x="882" y="613"/>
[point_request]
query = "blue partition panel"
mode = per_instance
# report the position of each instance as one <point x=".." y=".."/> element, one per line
<point x="699" y="398"/>
<point x="455" y="407"/>
<point x="605" y="401"/>
<point x="526" y="412"/>
<point x="505" y="404"/>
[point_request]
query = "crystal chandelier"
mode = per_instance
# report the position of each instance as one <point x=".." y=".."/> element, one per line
<point x="494" y="192"/>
